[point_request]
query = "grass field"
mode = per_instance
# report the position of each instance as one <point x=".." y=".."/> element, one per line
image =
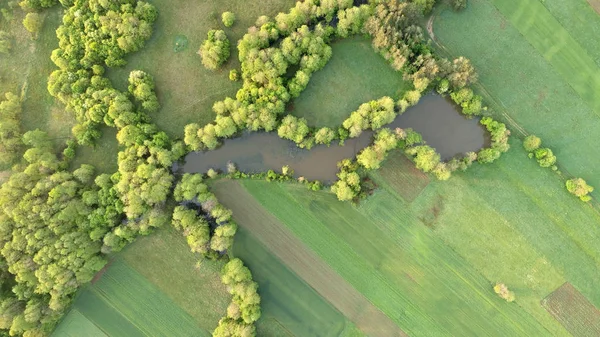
<point x="573" y="311"/>
<point x="289" y="250"/>
<point x="186" y="89"/>
<point x="354" y="75"/>
<point x="296" y="308"/>
<point x="387" y="253"/>
<point x="124" y="303"/>
<point x="159" y="276"/>
<point x="542" y="74"/>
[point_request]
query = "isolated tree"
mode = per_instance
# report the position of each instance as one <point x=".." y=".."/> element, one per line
<point x="532" y="143"/>
<point x="215" y="49"/>
<point x="579" y="188"/>
<point x="33" y="22"/>
<point x="228" y="19"/>
<point x="502" y="290"/>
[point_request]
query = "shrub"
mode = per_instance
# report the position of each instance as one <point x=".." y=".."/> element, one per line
<point x="502" y="290"/>
<point x="228" y="19"/>
<point x="33" y="22"/>
<point x="234" y="75"/>
<point x="532" y="143"/>
<point x="215" y="49"/>
<point x="458" y="5"/>
<point x="579" y="187"/>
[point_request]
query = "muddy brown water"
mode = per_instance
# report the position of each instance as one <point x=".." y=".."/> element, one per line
<point x="437" y="119"/>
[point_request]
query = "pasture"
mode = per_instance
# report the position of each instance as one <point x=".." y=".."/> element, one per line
<point x="354" y="75"/>
<point x="289" y="250"/>
<point x="123" y="303"/>
<point x="510" y="222"/>
<point x="385" y="252"/>
<point x="155" y="277"/>
<point x="186" y="90"/>
<point x="538" y="66"/>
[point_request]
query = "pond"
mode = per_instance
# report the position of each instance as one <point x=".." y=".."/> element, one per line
<point x="437" y="119"/>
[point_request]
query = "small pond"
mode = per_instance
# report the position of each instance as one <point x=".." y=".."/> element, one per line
<point x="441" y="125"/>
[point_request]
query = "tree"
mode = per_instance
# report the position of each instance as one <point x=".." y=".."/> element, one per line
<point x="228" y="19"/>
<point x="463" y="73"/>
<point x="458" y="5"/>
<point x="215" y="49"/>
<point x="293" y="128"/>
<point x="488" y="155"/>
<point x="33" y="22"/>
<point x="425" y="5"/>
<point x="425" y="157"/>
<point x="579" y="188"/>
<point x="545" y="157"/>
<point x="502" y="290"/>
<point x="532" y="143"/>
<point x="324" y="136"/>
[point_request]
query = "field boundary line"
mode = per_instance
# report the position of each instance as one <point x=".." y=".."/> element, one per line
<point x="300" y="259"/>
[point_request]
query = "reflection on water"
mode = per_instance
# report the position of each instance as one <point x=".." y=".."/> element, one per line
<point x="434" y="117"/>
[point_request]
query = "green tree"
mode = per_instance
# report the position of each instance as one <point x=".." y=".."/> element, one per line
<point x="228" y="19"/>
<point x="33" y="22"/>
<point x="532" y="143"/>
<point x="579" y="188"/>
<point x="215" y="49"/>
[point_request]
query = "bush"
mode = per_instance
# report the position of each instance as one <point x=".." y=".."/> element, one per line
<point x="532" y="143"/>
<point x="502" y="290"/>
<point x="234" y="75"/>
<point x="228" y="19"/>
<point x="33" y="22"/>
<point x="579" y="188"/>
<point x="458" y="5"/>
<point x="215" y="49"/>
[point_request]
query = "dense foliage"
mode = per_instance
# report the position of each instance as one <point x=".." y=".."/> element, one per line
<point x="228" y="19"/>
<point x="579" y="188"/>
<point x="244" y="308"/>
<point x="215" y="49"/>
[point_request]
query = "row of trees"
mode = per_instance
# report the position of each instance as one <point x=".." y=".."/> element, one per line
<point x="192" y="191"/>
<point x="546" y="158"/>
<point x="244" y="309"/>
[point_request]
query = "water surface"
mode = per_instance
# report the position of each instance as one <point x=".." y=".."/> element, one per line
<point x="437" y="119"/>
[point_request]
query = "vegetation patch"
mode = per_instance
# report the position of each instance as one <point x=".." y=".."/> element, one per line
<point x="575" y="312"/>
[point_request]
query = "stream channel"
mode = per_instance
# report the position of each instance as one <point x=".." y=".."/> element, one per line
<point x="434" y="117"/>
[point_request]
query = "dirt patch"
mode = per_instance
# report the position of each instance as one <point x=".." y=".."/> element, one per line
<point x="430" y="217"/>
<point x="301" y="260"/>
<point x="595" y="5"/>
<point x="101" y="272"/>
<point x="571" y="309"/>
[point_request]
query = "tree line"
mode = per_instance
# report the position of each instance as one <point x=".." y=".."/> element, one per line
<point x="546" y="158"/>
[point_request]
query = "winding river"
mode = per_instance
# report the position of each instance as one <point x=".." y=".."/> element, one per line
<point x="434" y="117"/>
